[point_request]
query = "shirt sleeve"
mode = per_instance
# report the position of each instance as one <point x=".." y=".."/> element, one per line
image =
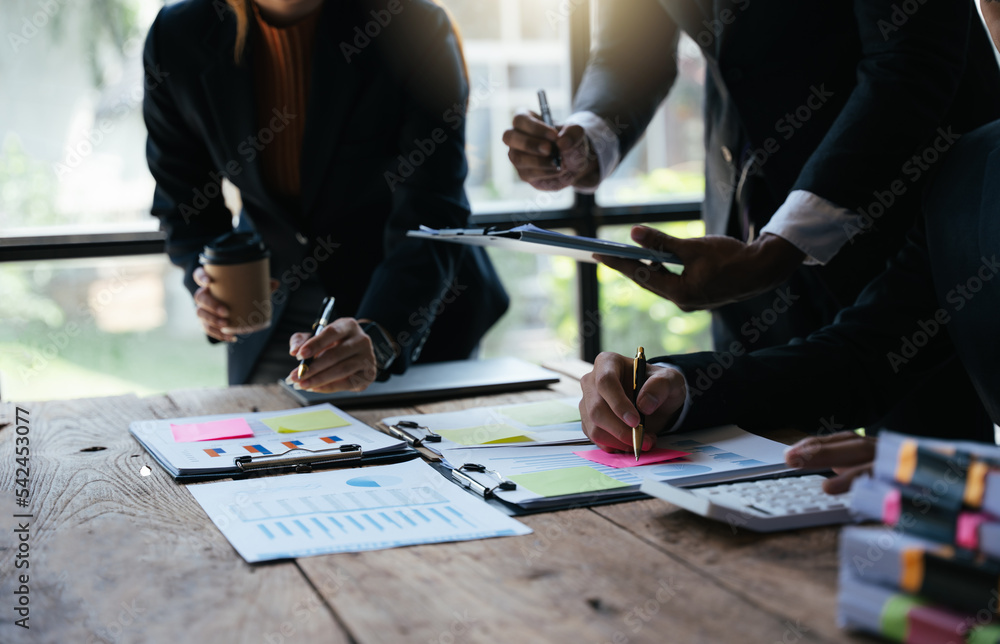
<point x="603" y="141"/>
<point x="817" y="227"/>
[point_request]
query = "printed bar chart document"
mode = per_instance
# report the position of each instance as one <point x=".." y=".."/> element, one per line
<point x="553" y="476"/>
<point x="275" y="435"/>
<point x="548" y="422"/>
<point x="372" y="508"/>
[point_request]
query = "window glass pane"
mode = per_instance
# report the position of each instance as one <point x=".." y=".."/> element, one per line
<point x="72" y="143"/>
<point x="541" y="323"/>
<point x="668" y="162"/>
<point x="632" y="316"/>
<point x="513" y="48"/>
<point x="101" y="327"/>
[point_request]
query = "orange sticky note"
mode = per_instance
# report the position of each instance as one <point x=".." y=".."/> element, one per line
<point x="655" y="455"/>
<point x="211" y="431"/>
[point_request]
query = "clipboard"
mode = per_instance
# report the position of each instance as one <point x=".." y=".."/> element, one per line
<point x="470" y="478"/>
<point x="529" y="238"/>
<point x="342" y="457"/>
<point x="344" y="441"/>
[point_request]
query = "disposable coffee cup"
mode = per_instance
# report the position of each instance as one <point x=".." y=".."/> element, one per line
<point x="240" y="267"/>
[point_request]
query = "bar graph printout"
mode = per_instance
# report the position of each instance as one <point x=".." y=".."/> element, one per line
<point x="372" y="508"/>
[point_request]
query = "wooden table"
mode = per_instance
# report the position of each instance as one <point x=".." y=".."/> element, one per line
<point x="115" y="556"/>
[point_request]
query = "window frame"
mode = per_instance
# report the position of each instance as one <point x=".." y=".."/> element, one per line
<point x="584" y="217"/>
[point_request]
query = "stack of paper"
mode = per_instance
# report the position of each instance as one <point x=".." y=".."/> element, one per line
<point x="556" y="466"/>
<point x="206" y="446"/>
<point x="351" y="510"/>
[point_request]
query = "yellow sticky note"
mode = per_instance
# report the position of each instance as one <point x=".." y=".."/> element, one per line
<point x="485" y="435"/>
<point x="307" y="422"/>
<point x="547" y="412"/>
<point x="566" y="480"/>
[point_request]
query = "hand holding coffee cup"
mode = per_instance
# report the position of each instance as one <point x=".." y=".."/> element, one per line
<point x="214" y="315"/>
<point x="235" y="286"/>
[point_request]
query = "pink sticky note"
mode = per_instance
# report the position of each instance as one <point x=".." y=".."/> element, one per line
<point x="892" y="507"/>
<point x="656" y="455"/>
<point x="211" y="431"/>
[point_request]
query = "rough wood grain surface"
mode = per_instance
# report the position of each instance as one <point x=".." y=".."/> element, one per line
<point x="120" y="557"/>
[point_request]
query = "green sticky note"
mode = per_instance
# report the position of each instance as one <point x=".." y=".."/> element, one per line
<point x="567" y="480"/>
<point x="894" y="622"/>
<point x="485" y="435"/>
<point x="984" y="635"/>
<point x="307" y="422"/>
<point x="547" y="412"/>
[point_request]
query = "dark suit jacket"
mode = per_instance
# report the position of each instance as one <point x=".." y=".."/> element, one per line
<point x="383" y="152"/>
<point x="937" y="301"/>
<point x="836" y="97"/>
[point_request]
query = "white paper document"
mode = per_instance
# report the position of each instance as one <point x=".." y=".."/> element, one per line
<point x="372" y="508"/>
<point x="715" y="455"/>
<point x="547" y="422"/>
<point x="290" y="431"/>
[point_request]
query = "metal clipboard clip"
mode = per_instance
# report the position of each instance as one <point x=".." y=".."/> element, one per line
<point x="402" y="429"/>
<point x="487" y="492"/>
<point x="316" y="457"/>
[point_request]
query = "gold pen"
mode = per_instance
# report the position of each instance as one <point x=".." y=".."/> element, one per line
<point x="324" y="319"/>
<point x="638" y="380"/>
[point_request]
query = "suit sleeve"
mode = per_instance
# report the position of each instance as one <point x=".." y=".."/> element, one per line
<point x="851" y="372"/>
<point x="409" y="285"/>
<point x="632" y="67"/>
<point x="908" y="76"/>
<point x="180" y="164"/>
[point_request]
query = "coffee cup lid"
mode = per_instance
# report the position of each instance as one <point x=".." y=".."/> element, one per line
<point x="235" y="248"/>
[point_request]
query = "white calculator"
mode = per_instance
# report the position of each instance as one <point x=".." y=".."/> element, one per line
<point x="764" y="505"/>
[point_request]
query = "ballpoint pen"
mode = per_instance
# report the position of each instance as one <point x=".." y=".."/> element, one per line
<point x="324" y="319"/>
<point x="543" y="104"/>
<point x="638" y="380"/>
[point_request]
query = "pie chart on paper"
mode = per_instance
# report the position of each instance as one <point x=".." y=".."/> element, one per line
<point x="382" y="480"/>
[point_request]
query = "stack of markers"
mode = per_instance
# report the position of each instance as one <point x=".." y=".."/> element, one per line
<point x="931" y="573"/>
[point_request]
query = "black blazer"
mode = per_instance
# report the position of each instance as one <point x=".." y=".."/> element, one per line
<point x="937" y="301"/>
<point x="383" y="152"/>
<point x="836" y="97"/>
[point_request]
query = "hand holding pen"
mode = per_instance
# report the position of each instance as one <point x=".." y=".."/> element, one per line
<point x="613" y="407"/>
<point x="337" y="356"/>
<point x="550" y="157"/>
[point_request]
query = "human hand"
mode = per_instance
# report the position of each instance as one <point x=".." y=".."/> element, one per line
<point x="343" y="358"/>
<point x="848" y="454"/>
<point x="532" y="144"/>
<point x="606" y="407"/>
<point x="213" y="314"/>
<point x="717" y="269"/>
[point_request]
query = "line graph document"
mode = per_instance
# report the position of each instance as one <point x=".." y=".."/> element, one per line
<point x="371" y="508"/>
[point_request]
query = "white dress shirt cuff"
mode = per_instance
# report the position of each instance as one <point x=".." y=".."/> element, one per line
<point x="687" y="399"/>
<point x="603" y="141"/>
<point x="814" y="225"/>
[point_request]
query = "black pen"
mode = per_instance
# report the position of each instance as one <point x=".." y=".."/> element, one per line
<point x="324" y="319"/>
<point x="543" y="104"/>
